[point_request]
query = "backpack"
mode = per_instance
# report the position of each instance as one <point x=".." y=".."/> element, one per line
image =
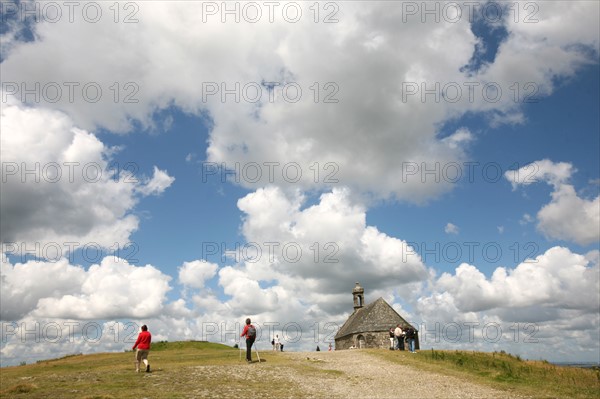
<point x="251" y="333"/>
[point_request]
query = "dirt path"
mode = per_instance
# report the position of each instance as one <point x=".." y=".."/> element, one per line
<point x="342" y="374"/>
<point x="372" y="377"/>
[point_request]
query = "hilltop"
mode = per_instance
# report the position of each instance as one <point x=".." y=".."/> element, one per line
<point x="207" y="370"/>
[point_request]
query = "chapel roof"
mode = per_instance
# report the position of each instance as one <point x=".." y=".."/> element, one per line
<point x="376" y="316"/>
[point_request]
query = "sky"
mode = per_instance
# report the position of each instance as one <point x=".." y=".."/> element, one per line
<point x="187" y="164"/>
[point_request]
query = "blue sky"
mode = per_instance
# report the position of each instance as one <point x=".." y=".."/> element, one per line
<point x="513" y="241"/>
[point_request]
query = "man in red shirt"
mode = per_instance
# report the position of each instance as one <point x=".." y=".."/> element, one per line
<point x="143" y="347"/>
<point x="250" y="333"/>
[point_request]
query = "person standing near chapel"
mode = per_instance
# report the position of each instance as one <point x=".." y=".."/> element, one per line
<point x="410" y="337"/>
<point x="392" y="338"/>
<point x="399" y="335"/>
<point x="143" y="348"/>
<point x="250" y="333"/>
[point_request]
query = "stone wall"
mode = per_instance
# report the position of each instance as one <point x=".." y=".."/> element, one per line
<point x="344" y="343"/>
<point x="370" y="339"/>
<point x="380" y="340"/>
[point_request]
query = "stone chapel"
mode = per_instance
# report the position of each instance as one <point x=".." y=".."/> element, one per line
<point x="369" y="325"/>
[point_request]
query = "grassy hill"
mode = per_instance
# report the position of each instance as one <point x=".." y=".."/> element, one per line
<point x="201" y="369"/>
<point x="508" y="373"/>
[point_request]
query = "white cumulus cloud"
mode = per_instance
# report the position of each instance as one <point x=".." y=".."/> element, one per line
<point x="560" y="277"/>
<point x="309" y="250"/>
<point x="111" y="289"/>
<point x="567" y="216"/>
<point x="194" y="274"/>
<point x="157" y="184"/>
<point x="45" y="156"/>
<point x="360" y="125"/>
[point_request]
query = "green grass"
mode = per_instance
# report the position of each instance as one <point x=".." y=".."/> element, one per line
<point x="208" y="370"/>
<point x="503" y="371"/>
<point x="179" y="369"/>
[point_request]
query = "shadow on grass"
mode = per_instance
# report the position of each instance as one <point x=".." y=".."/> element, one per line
<point x="258" y="361"/>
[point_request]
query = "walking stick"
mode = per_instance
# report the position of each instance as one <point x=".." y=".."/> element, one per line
<point x="256" y="349"/>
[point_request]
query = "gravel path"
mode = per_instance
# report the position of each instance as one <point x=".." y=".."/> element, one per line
<point x="368" y="376"/>
<point x="341" y="374"/>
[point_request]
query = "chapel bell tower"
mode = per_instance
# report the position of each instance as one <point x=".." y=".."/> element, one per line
<point x="359" y="296"/>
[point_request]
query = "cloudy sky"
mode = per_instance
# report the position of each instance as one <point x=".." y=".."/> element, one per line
<point x="189" y="164"/>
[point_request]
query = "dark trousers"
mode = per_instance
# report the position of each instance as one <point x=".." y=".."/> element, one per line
<point x="249" y="343"/>
<point x="400" y="343"/>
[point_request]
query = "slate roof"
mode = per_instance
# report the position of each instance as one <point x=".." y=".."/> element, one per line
<point x="376" y="316"/>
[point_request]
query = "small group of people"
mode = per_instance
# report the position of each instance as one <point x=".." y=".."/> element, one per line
<point x="398" y="336"/>
<point x="144" y="340"/>
<point x="277" y="344"/>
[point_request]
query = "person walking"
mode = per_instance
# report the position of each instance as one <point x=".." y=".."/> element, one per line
<point x="143" y="348"/>
<point x="250" y="333"/>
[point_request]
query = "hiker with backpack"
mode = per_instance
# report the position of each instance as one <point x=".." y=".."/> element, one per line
<point x="250" y="333"/>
